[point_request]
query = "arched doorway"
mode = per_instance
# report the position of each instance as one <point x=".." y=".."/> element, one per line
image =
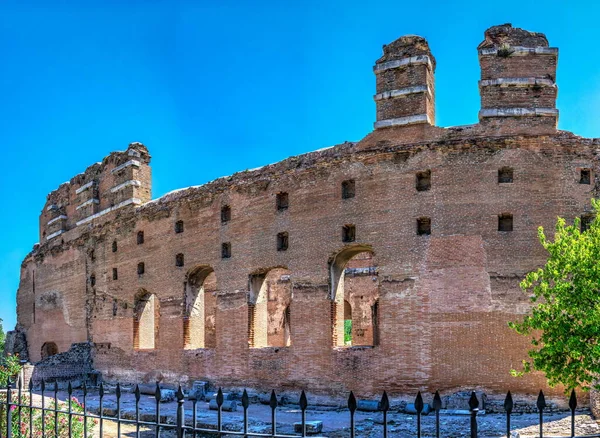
<point x="200" y="301"/>
<point x="49" y="349"/>
<point x="145" y="320"/>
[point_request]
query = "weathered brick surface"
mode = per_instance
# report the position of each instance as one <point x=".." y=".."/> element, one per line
<point x="444" y="299"/>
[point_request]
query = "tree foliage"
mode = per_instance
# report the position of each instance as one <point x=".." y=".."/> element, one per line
<point x="2" y="338"/>
<point x="564" y="322"/>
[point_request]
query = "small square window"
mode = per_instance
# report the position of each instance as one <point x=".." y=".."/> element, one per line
<point x="140" y="237"/>
<point x="282" y="201"/>
<point x="585" y="222"/>
<point x="225" y="214"/>
<point x="179" y="227"/>
<point x="585" y="177"/>
<point x="505" y="222"/>
<point x="115" y="274"/>
<point x="505" y="175"/>
<point x="348" y="189"/>
<point x="179" y="261"/>
<point x="424" y="226"/>
<point x="141" y="268"/>
<point x="348" y="233"/>
<point x="282" y="241"/>
<point x="226" y="250"/>
<point x="423" y="181"/>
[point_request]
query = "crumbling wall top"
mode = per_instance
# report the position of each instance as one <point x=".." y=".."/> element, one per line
<point x="505" y="34"/>
<point x="406" y="46"/>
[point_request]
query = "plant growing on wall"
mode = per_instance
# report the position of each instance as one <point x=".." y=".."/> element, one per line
<point x="564" y="322"/>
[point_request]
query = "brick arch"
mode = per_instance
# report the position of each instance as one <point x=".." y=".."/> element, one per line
<point x="49" y="349"/>
<point x="269" y="308"/>
<point x="200" y="304"/>
<point x="356" y="296"/>
<point x="145" y="320"/>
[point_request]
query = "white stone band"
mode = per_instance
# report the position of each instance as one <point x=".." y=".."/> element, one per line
<point x="402" y="121"/>
<point x="53" y="235"/>
<point x="517" y="82"/>
<point x="135" y="163"/>
<point x="131" y="182"/>
<point x="88" y="202"/>
<point x="62" y="216"/>
<point x="518" y="112"/>
<point x="84" y="187"/>
<point x="521" y="51"/>
<point x="397" y="63"/>
<point x="134" y="201"/>
<point x="402" y="92"/>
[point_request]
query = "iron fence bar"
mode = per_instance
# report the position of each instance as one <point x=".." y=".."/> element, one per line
<point x="180" y="414"/>
<point x="384" y="405"/>
<point x="43" y="409"/>
<point x="56" y="409"/>
<point x="419" y="405"/>
<point x="437" y="406"/>
<point x="273" y="405"/>
<point x="303" y="406"/>
<point x="8" y="411"/>
<point x="19" y="396"/>
<point x="137" y="411"/>
<point x="573" y="406"/>
<point x="194" y="413"/>
<point x="30" y="408"/>
<point x="508" y="407"/>
<point x="541" y="404"/>
<point x="101" y="406"/>
<point x="157" y="396"/>
<point x="245" y="404"/>
<point x="118" y="393"/>
<point x="219" y="412"/>
<point x="352" y="407"/>
<point x="70" y="408"/>
<point x="474" y="407"/>
<point x="85" y="416"/>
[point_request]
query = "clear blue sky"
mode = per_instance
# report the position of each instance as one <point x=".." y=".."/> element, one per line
<point x="214" y="87"/>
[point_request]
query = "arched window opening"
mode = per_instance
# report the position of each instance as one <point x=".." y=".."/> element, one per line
<point x="49" y="349"/>
<point x="145" y="321"/>
<point x="355" y="297"/>
<point x="140" y="237"/>
<point x="199" y="328"/>
<point x="269" y="309"/>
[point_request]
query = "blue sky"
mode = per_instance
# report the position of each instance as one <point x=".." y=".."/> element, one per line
<point x="215" y="87"/>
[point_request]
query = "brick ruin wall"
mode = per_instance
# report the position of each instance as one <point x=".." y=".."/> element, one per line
<point x="397" y="233"/>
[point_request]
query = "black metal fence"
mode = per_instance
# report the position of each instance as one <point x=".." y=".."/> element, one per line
<point x="22" y="418"/>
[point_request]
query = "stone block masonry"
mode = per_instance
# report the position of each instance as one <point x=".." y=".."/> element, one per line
<point x="392" y="263"/>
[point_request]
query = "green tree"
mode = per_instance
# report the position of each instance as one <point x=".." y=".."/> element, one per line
<point x="2" y="339"/>
<point x="564" y="322"/>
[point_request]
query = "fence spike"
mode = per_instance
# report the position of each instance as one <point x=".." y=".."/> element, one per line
<point x="137" y="392"/>
<point x="352" y="402"/>
<point x="118" y="390"/>
<point x="180" y="395"/>
<point x="384" y="404"/>
<point x="303" y="401"/>
<point x="573" y="400"/>
<point x="157" y="393"/>
<point x="273" y="401"/>
<point x="541" y="401"/>
<point x="437" y="402"/>
<point x="473" y="402"/>
<point x="245" y="399"/>
<point x="70" y="389"/>
<point x="84" y="388"/>
<point x="101" y="390"/>
<point x="508" y="403"/>
<point x="220" y="398"/>
<point x="419" y="403"/>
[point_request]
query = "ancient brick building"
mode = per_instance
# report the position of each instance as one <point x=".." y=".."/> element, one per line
<point x="390" y="263"/>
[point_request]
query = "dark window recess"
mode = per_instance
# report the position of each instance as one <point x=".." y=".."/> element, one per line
<point x="585" y="222"/>
<point x="115" y="274"/>
<point x="348" y="233"/>
<point x="423" y="181"/>
<point x="283" y="201"/>
<point x="585" y="177"/>
<point x="114" y="246"/>
<point x="348" y="189"/>
<point x="115" y="307"/>
<point x="92" y="280"/>
<point x="92" y="255"/>
<point x="226" y="250"/>
<point x="505" y="175"/>
<point x="179" y="227"/>
<point x="179" y="261"/>
<point x="141" y="268"/>
<point x="424" y="226"/>
<point x="505" y="222"/>
<point x="140" y="237"/>
<point x="282" y="241"/>
<point x="225" y="214"/>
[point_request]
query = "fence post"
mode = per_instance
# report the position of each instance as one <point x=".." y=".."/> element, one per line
<point x="541" y="404"/>
<point x="474" y="407"/>
<point x="8" y="412"/>
<point x="508" y="407"/>
<point x="180" y="413"/>
<point x="352" y="407"/>
<point x="573" y="406"/>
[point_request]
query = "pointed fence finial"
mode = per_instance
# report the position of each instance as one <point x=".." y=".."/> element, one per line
<point x="541" y="401"/>
<point x="473" y="402"/>
<point x="245" y="399"/>
<point x="419" y="405"/>
<point x="437" y="402"/>
<point x="303" y="401"/>
<point x="352" y="402"/>
<point x="384" y="404"/>
<point x="508" y="403"/>
<point x="273" y="401"/>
